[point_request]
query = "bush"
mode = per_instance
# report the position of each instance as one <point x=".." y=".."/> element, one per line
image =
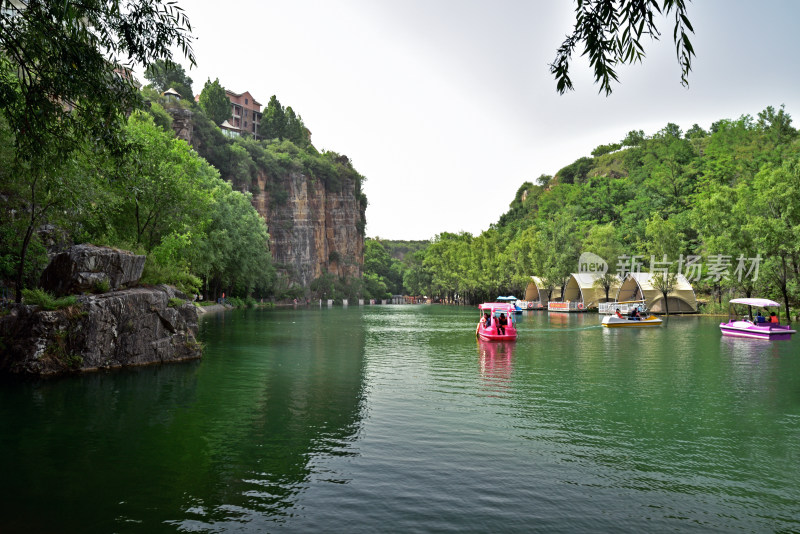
<point x="712" y="307"/>
<point x="179" y="276"/>
<point x="176" y="302"/>
<point x="236" y="302"/>
<point x="102" y="286"/>
<point x="46" y="301"/>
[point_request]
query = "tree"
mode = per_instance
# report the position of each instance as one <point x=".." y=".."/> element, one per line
<point x="611" y="32"/>
<point x="273" y="120"/>
<point x="520" y="254"/>
<point x="606" y="149"/>
<point x="774" y="218"/>
<point x="602" y="240"/>
<point x="778" y="126"/>
<point x="556" y="252"/>
<point x="62" y="82"/>
<point x="721" y="217"/>
<point x="576" y="172"/>
<point x="232" y="254"/>
<point x="160" y="185"/>
<point x="671" y="180"/>
<point x="663" y="244"/>
<point x="696" y="132"/>
<point x="416" y="279"/>
<point x="295" y="130"/>
<point x="634" y="138"/>
<point x="164" y="74"/>
<point x="214" y="102"/>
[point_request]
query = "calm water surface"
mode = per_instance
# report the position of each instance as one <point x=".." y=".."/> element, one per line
<point x="396" y="419"/>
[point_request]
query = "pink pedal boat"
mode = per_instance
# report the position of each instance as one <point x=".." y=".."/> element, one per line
<point x="495" y="312"/>
<point x="760" y="327"/>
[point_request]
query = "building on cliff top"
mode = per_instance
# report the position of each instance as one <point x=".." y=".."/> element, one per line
<point x="245" y="113"/>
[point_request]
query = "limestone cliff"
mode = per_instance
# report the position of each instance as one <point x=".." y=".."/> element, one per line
<point x="313" y="230"/>
<point x="312" y="202"/>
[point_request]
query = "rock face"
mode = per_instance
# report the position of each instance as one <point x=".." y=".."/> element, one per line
<point x="122" y="328"/>
<point x="182" y="123"/>
<point x="87" y="267"/>
<point x="314" y="230"/>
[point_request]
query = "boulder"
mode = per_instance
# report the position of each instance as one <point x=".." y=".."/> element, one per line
<point x="130" y="327"/>
<point x="88" y="268"/>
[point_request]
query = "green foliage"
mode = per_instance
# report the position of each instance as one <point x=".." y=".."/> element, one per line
<point x="611" y="33"/>
<point x="164" y="74"/>
<point x="67" y="52"/>
<point x="279" y="123"/>
<point x="606" y="149"/>
<point x="732" y="191"/>
<point x="575" y="172"/>
<point x="102" y="286"/>
<point x="330" y="286"/>
<point x="696" y="132"/>
<point x="156" y="190"/>
<point x="273" y="120"/>
<point x="214" y="102"/>
<point x="175" y="302"/>
<point x="234" y="253"/>
<point x="712" y="307"/>
<point x="383" y="275"/>
<point x="161" y="118"/>
<point x="111" y="174"/>
<point x="156" y="273"/>
<point x="64" y="93"/>
<point x="634" y="138"/>
<point x="46" y="301"/>
<point x="58" y="349"/>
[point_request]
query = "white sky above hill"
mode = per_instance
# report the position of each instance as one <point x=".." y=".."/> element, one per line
<point x="447" y="106"/>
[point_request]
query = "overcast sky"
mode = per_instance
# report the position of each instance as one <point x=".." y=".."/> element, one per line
<point x="447" y="107"/>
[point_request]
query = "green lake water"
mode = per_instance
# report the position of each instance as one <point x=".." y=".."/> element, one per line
<point x="396" y="419"/>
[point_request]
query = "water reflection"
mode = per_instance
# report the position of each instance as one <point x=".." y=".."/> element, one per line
<point x="206" y="446"/>
<point x="496" y="363"/>
<point x="293" y="392"/>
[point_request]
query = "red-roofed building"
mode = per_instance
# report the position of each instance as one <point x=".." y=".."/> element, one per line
<point x="245" y="113"/>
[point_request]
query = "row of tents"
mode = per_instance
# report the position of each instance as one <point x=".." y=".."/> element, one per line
<point x="582" y="292"/>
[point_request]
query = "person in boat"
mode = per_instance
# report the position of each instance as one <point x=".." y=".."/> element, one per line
<point x="619" y="314"/>
<point x="760" y="318"/>
<point x="773" y="318"/>
<point x="486" y="320"/>
<point x="501" y="324"/>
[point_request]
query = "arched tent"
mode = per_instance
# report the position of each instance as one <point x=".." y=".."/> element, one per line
<point x="537" y="292"/>
<point x="639" y="286"/>
<point x="581" y="287"/>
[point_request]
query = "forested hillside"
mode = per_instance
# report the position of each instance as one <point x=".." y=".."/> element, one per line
<point x="728" y="195"/>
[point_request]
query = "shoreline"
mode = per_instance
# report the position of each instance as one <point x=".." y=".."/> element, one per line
<point x="213" y="308"/>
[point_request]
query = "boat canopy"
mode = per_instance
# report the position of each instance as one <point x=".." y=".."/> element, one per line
<point x="509" y="298"/>
<point x="497" y="307"/>
<point x="762" y="303"/>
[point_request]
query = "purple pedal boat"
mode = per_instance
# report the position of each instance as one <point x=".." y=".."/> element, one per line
<point x="760" y="327"/>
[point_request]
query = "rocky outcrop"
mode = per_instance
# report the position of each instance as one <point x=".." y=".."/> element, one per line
<point x="312" y="230"/>
<point x="88" y="268"/>
<point x="136" y="326"/>
<point x="182" y="123"/>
